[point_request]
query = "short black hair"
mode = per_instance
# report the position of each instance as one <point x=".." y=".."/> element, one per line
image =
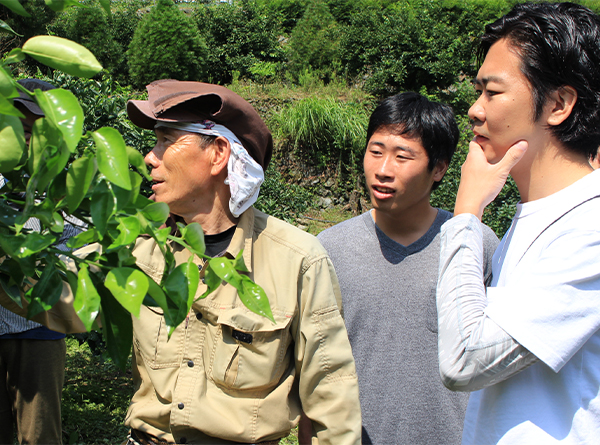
<point x="413" y="115"/>
<point x="559" y="45"/>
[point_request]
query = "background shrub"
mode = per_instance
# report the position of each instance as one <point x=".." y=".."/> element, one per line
<point x="90" y="27"/>
<point x="240" y="36"/>
<point x="166" y="44"/>
<point x="314" y="43"/>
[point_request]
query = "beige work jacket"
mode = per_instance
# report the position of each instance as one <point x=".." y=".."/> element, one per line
<point x="229" y="375"/>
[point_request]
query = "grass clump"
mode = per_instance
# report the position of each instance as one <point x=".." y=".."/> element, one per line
<point x="326" y="130"/>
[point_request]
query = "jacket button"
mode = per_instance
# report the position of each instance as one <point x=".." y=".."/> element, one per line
<point x="180" y="405"/>
<point x="199" y="315"/>
<point x="191" y="364"/>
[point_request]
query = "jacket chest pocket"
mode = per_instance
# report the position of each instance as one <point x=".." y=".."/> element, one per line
<point x="151" y="339"/>
<point x="248" y="352"/>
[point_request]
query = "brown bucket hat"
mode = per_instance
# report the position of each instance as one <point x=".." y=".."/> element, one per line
<point x="183" y="101"/>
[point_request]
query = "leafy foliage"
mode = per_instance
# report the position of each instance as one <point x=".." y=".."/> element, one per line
<point x="240" y="37"/>
<point x="280" y="199"/>
<point x="90" y="27"/>
<point x="99" y="189"/>
<point x="166" y="45"/>
<point x="314" y="41"/>
<point x="414" y="43"/>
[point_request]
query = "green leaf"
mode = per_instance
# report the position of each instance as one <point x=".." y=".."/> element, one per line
<point x="21" y="246"/>
<point x="87" y="299"/>
<point x="46" y="292"/>
<point x="159" y="296"/>
<point x="102" y="206"/>
<point x="239" y="262"/>
<point x="212" y="281"/>
<point x="112" y="156"/>
<point x="79" y="178"/>
<point x="62" y="108"/>
<point x="58" y="188"/>
<point x="11" y="279"/>
<point x="181" y="286"/>
<point x="8" y="87"/>
<point x="14" y="56"/>
<point x="83" y="238"/>
<point x="5" y="28"/>
<point x="12" y="141"/>
<point x="251" y="294"/>
<point x="62" y="54"/>
<point x="117" y="328"/>
<point x="6" y="107"/>
<point x="129" y="229"/>
<point x="61" y="5"/>
<point x="44" y="134"/>
<point x="193" y="235"/>
<point x="136" y="159"/>
<point x="51" y="162"/>
<point x="15" y="6"/>
<point x="254" y="298"/>
<point x="129" y="286"/>
<point x="157" y="212"/>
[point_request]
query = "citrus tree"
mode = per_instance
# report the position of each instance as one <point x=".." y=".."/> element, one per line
<point x="102" y="190"/>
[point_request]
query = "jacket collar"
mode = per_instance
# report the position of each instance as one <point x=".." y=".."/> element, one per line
<point x="242" y="238"/>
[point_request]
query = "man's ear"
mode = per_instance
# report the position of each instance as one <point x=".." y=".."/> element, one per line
<point x="220" y="156"/>
<point x="440" y="170"/>
<point x="561" y="102"/>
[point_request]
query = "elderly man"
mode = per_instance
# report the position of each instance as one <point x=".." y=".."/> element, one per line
<point x="227" y="375"/>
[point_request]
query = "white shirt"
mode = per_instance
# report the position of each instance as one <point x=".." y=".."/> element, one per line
<point x="545" y="297"/>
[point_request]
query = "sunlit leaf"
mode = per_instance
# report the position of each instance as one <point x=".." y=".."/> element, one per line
<point x="136" y="159"/>
<point x="251" y="294"/>
<point x="15" y="7"/>
<point x="62" y="54"/>
<point x="129" y="286"/>
<point x="157" y="212"/>
<point x="79" y="178"/>
<point x="62" y="108"/>
<point x="129" y="229"/>
<point x="193" y="235"/>
<point x="112" y="156"/>
<point x="87" y="300"/>
<point x="83" y="238"/>
<point x="12" y="142"/>
<point x="14" y="56"/>
<point x="20" y="246"/>
<point x="102" y="206"/>
<point x="254" y="298"/>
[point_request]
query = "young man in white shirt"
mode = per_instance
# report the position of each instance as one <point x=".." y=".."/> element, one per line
<point x="530" y="343"/>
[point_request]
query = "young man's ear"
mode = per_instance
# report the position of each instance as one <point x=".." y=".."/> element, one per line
<point x="221" y="150"/>
<point x="562" y="102"/>
<point x="440" y="170"/>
